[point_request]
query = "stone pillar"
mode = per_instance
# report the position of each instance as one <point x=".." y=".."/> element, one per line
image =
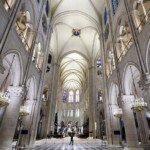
<point x="143" y="129"/>
<point x="92" y="99"/>
<point x="129" y="122"/>
<point x="27" y="123"/>
<point x="115" y="126"/>
<point x="10" y="118"/>
<point x="53" y="96"/>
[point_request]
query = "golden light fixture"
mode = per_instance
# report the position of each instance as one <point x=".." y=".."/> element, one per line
<point x="118" y="113"/>
<point x="24" y="111"/>
<point x="4" y="100"/>
<point x="138" y="105"/>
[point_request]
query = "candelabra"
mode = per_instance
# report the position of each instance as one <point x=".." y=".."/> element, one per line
<point x="118" y="113"/>
<point x="24" y="111"/>
<point x="4" y="99"/>
<point x="138" y="105"/>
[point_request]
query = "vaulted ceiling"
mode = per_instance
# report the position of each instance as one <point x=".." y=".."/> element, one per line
<point x="75" y="42"/>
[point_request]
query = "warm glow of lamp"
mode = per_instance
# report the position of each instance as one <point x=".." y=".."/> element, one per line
<point x="24" y="111"/>
<point x="138" y="105"/>
<point x="4" y="100"/>
<point x="118" y="113"/>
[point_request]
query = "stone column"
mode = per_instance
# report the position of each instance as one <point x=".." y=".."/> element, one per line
<point x="129" y="122"/>
<point x="143" y="128"/>
<point x="53" y="96"/>
<point x="92" y="99"/>
<point x="10" y="118"/>
<point x="115" y="126"/>
<point x="27" y="123"/>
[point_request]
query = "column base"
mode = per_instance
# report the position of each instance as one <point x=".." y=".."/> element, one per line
<point x="133" y="148"/>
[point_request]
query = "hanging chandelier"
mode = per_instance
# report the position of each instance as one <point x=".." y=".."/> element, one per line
<point x="24" y="111"/>
<point x="138" y="105"/>
<point x="4" y="100"/>
<point x="118" y="113"/>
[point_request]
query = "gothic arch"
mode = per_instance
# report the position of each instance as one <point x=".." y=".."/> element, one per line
<point x="16" y="71"/>
<point x="131" y="74"/>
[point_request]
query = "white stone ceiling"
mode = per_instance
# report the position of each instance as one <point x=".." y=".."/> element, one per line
<point x="75" y="52"/>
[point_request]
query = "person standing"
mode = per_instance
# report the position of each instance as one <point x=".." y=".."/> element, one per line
<point x="71" y="139"/>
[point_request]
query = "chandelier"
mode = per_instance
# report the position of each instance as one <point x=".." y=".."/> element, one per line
<point x="138" y="105"/>
<point x="24" y="111"/>
<point x="4" y="100"/>
<point x="118" y="113"/>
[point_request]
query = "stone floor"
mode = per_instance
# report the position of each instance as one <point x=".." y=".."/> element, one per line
<point x="79" y="144"/>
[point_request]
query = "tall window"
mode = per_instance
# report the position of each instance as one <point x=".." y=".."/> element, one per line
<point x="70" y="96"/>
<point x="141" y="13"/>
<point x="38" y="56"/>
<point x="71" y="113"/>
<point x="110" y="64"/>
<point x="77" y="96"/>
<point x="77" y="113"/>
<point x="99" y="66"/>
<point x="114" y="4"/>
<point x="64" y="96"/>
<point x="24" y="27"/>
<point x="124" y="41"/>
<point x="8" y="4"/>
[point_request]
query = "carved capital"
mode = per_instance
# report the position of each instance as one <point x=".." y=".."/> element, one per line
<point x="15" y="91"/>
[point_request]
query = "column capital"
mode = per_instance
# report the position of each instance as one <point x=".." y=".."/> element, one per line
<point x="15" y="91"/>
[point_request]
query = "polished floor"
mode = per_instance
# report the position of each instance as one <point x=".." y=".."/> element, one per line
<point x="63" y="144"/>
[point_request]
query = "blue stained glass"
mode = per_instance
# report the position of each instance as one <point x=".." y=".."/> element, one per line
<point x="47" y="8"/>
<point x="115" y="4"/>
<point x="105" y="16"/>
<point x="99" y="63"/>
<point x="65" y="96"/>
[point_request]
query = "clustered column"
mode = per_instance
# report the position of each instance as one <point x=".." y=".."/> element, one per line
<point x="92" y="99"/>
<point x="10" y="117"/>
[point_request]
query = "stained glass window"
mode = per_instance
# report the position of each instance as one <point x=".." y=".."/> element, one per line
<point x="65" y="96"/>
<point x="77" y="96"/>
<point x="115" y="4"/>
<point x="70" y="96"/>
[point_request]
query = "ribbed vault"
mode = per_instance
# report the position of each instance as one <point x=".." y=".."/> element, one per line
<point x="75" y="39"/>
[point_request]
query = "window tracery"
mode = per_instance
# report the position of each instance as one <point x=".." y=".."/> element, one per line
<point x="8" y="4"/>
<point x="70" y="96"/>
<point x="110" y="64"/>
<point x="77" y="96"/>
<point x="141" y="13"/>
<point x="115" y="4"/>
<point x="24" y="27"/>
<point x="124" y="41"/>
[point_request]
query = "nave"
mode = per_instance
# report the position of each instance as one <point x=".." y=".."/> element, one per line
<point x="79" y="144"/>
